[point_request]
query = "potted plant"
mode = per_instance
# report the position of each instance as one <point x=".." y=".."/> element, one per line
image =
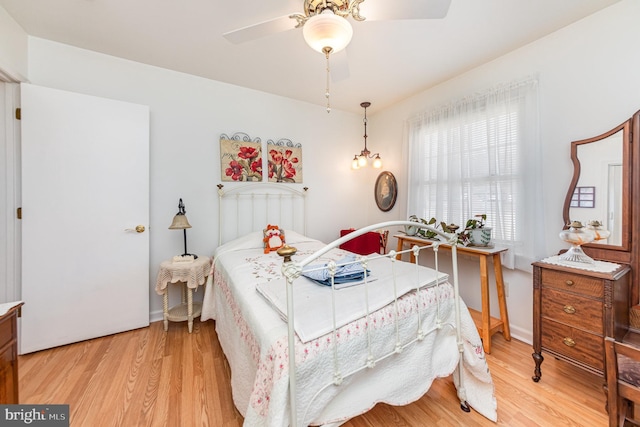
<point x="475" y="232"/>
<point x="422" y="232"/>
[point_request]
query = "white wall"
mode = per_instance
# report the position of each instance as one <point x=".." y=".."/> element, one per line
<point x="188" y="114"/>
<point x="13" y="49"/>
<point x="589" y="83"/>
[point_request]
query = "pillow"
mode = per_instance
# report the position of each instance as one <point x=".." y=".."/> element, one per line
<point x="273" y="238"/>
<point x="293" y="238"/>
<point x="254" y="240"/>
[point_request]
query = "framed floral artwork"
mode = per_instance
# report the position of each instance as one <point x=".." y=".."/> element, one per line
<point x="240" y="158"/>
<point x="284" y="159"/>
<point x="386" y="191"/>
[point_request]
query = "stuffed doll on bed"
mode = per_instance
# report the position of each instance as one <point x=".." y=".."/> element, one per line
<point x="273" y="238"/>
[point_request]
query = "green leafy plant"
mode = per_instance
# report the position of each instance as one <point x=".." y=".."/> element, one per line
<point x="463" y="235"/>
<point x="476" y="223"/>
<point x="423" y="232"/>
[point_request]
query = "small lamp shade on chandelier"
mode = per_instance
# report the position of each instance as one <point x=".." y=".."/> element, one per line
<point x="180" y="222"/>
<point x="361" y="160"/>
<point x="327" y="32"/>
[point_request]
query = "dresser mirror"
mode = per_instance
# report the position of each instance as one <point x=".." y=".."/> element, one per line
<point x="600" y="188"/>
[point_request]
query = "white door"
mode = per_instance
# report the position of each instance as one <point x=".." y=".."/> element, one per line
<point x="85" y="188"/>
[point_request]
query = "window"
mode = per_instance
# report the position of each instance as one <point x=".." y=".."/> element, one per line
<point x="481" y="156"/>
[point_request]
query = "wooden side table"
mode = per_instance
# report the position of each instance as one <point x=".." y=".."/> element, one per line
<point x="189" y="275"/>
<point x="486" y="325"/>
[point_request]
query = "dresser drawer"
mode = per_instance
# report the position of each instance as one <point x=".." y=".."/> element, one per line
<point x="573" y="310"/>
<point x="573" y="343"/>
<point x="584" y="285"/>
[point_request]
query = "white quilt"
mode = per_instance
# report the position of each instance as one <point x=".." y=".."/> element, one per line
<point x="313" y="303"/>
<point x="254" y="339"/>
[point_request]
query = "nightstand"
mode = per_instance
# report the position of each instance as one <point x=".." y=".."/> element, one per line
<point x="189" y="275"/>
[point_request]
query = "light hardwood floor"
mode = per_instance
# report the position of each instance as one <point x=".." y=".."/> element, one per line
<point x="148" y="377"/>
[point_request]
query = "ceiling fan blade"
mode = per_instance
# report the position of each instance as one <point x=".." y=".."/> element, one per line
<point x="256" y="31"/>
<point x="339" y="66"/>
<point x="385" y="10"/>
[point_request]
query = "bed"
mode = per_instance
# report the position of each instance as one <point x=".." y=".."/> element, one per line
<point x="385" y="339"/>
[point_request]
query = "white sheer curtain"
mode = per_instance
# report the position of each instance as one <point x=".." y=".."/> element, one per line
<point x="482" y="155"/>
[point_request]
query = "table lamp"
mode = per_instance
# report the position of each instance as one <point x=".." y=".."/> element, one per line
<point x="180" y="222"/>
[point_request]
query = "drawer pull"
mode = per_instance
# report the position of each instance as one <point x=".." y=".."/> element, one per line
<point x="569" y="282"/>
<point x="569" y="309"/>
<point x="568" y="342"/>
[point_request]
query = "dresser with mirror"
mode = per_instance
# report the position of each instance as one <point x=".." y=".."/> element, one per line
<point x="576" y="305"/>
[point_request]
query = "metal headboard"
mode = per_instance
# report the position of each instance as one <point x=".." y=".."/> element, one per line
<point x="250" y="207"/>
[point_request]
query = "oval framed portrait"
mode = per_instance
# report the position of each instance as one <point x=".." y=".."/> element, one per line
<point x="386" y="191"/>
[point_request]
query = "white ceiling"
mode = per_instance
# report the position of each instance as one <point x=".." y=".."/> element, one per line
<point x="388" y="60"/>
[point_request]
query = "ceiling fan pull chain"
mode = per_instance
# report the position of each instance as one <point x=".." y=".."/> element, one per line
<point x="327" y="51"/>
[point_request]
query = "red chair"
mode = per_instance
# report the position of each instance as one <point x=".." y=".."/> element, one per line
<point x="366" y="244"/>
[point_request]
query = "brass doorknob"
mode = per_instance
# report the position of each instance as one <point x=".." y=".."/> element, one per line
<point x="140" y="228"/>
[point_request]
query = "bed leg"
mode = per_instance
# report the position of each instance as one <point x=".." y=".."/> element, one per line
<point x="465" y="406"/>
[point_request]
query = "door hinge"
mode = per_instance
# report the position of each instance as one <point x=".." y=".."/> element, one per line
<point x="18" y="114"/>
<point x="19" y="213"/>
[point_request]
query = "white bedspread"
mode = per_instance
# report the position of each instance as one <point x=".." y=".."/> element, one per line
<point x="313" y="303"/>
<point x="254" y="339"/>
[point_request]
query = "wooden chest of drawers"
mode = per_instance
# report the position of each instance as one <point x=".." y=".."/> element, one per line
<point x="9" y="356"/>
<point x="573" y="310"/>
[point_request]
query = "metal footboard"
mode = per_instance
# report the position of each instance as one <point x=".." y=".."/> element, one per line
<point x="293" y="269"/>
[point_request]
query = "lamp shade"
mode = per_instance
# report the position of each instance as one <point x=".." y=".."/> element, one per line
<point x="327" y="30"/>
<point x="354" y="163"/>
<point x="377" y="162"/>
<point x="180" y="222"/>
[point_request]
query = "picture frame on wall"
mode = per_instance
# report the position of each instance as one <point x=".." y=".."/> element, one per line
<point x="240" y="158"/>
<point x="386" y="191"/>
<point x="284" y="161"/>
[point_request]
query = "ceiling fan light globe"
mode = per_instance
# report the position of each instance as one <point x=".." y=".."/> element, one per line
<point x="327" y="30"/>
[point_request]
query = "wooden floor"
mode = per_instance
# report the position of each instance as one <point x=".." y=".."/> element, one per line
<point x="148" y="377"/>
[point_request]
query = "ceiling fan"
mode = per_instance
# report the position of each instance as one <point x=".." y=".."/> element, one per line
<point x="359" y="10"/>
<point x="326" y="27"/>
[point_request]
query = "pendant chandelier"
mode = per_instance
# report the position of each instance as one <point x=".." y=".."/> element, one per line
<point x="360" y="161"/>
